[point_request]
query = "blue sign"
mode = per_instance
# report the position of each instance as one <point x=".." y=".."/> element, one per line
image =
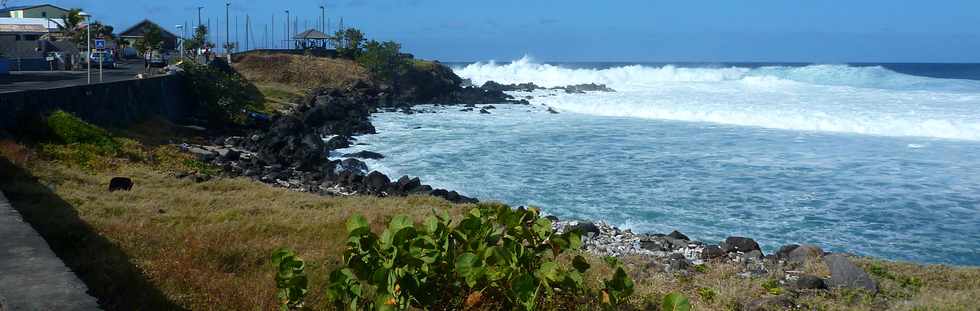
<point x="99" y="44"/>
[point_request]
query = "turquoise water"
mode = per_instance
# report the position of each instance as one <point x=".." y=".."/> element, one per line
<point x="885" y="168"/>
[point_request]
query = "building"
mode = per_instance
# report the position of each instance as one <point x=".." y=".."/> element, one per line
<point x="135" y="33"/>
<point x="34" y="11"/>
<point x="27" y="29"/>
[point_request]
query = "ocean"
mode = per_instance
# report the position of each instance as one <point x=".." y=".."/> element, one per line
<point x="872" y="159"/>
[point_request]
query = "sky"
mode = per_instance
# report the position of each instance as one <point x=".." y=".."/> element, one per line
<point x="821" y="31"/>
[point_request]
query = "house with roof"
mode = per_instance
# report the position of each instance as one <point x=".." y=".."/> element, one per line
<point x="34" y="11"/>
<point x="27" y="29"/>
<point x="130" y="36"/>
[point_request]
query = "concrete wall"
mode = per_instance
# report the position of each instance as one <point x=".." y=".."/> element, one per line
<point x="109" y="104"/>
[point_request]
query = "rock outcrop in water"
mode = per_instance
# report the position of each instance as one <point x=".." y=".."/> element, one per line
<point x="530" y="86"/>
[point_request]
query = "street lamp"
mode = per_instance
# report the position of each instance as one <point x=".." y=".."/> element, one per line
<point x="323" y="21"/>
<point x="180" y="40"/>
<point x="199" y="16"/>
<point x="88" y="45"/>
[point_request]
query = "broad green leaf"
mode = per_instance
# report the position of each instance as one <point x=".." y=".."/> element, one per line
<point x="475" y="213"/>
<point x="431" y="224"/>
<point x="467" y="263"/>
<point x="549" y="271"/>
<point x="356" y="223"/>
<point x="675" y="302"/>
<point x="399" y="222"/>
<point x="542" y="227"/>
<point x="574" y="240"/>
<point x="526" y="289"/>
<point x="580" y="264"/>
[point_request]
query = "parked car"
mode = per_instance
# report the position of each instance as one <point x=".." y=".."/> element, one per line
<point x="157" y="59"/>
<point x="108" y="61"/>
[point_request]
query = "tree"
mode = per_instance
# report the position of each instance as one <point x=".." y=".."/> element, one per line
<point x="152" y="39"/>
<point x="349" y="42"/>
<point x="199" y="41"/>
<point x="71" y="26"/>
<point x="385" y="62"/>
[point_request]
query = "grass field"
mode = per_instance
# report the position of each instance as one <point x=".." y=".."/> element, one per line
<point x="176" y="244"/>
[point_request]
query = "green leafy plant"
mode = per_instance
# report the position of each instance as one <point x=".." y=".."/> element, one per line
<point x="707" y="294"/>
<point x="494" y="254"/>
<point x="619" y="287"/>
<point x="772" y="286"/>
<point x="675" y="302"/>
<point x="291" y="280"/>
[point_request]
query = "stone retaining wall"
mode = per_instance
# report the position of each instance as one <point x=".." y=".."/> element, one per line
<point x="109" y="104"/>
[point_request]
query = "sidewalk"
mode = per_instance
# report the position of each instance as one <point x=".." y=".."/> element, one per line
<point x="31" y="276"/>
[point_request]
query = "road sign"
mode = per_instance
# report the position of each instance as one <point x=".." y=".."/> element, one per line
<point x="99" y="44"/>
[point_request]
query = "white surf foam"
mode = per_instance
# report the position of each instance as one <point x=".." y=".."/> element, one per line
<point x="835" y="98"/>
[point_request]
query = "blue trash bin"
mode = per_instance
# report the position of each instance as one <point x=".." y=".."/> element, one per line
<point x="4" y="66"/>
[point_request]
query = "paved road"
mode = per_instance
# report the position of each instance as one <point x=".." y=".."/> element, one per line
<point x="31" y="276"/>
<point x="39" y="80"/>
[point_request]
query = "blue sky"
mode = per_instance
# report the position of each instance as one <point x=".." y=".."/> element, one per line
<point x="615" y="30"/>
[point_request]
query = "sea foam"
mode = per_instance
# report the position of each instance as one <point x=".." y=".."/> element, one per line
<point x="868" y="100"/>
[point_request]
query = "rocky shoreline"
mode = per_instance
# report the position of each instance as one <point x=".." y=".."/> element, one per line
<point x="290" y="153"/>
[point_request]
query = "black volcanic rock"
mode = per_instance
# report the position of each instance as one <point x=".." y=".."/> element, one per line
<point x="365" y="155"/>
<point x="739" y="244"/>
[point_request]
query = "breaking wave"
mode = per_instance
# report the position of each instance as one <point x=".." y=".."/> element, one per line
<point x="868" y="100"/>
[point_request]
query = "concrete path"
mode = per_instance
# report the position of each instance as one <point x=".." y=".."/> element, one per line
<point x="31" y="276"/>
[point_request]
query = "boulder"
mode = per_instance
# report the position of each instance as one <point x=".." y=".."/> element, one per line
<point x="202" y="154"/>
<point x="484" y="111"/>
<point x="712" y="252"/>
<point x="337" y="142"/>
<point x="800" y="254"/>
<point x="754" y="255"/>
<point x="406" y="185"/>
<point x="784" y="251"/>
<point x="120" y="183"/>
<point x="488" y="107"/>
<point x="376" y="182"/>
<point x="552" y="110"/>
<point x="809" y="282"/>
<point x="845" y="274"/>
<point x="354" y="166"/>
<point x="584" y="227"/>
<point x="678" y="235"/>
<point x="229" y="154"/>
<point x="739" y="244"/>
<point x="365" y="155"/>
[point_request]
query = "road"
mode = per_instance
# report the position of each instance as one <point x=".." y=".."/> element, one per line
<point x="40" y="80"/>
<point x="31" y="276"/>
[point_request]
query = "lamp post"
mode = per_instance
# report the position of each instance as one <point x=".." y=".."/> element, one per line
<point x="180" y="41"/>
<point x="88" y="45"/>
<point x="323" y="15"/>
<point x="199" y="16"/>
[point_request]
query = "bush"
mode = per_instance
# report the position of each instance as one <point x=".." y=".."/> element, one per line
<point x="221" y="92"/>
<point x="69" y="129"/>
<point x="383" y="60"/>
<point x="495" y="255"/>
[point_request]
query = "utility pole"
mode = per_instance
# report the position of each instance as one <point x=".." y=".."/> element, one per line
<point x="285" y="43"/>
<point x="273" y="41"/>
<point x="199" y="16"/>
<point x="247" y="24"/>
<point x="88" y="46"/>
<point x="227" y="25"/>
<point x="236" y="32"/>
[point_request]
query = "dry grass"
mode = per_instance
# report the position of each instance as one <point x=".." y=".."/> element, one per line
<point x="202" y="245"/>
<point x="172" y="244"/>
<point x="300" y="72"/>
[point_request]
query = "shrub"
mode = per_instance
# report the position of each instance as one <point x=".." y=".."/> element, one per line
<point x="221" y="92"/>
<point x="494" y="254"/>
<point x="383" y="60"/>
<point x="291" y="280"/>
<point x="69" y="129"/>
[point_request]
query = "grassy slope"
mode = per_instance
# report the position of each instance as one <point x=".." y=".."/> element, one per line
<point x="284" y="78"/>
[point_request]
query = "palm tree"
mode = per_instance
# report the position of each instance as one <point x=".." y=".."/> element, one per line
<point x="70" y="26"/>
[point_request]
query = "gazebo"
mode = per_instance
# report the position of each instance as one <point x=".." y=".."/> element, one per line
<point x="311" y="38"/>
